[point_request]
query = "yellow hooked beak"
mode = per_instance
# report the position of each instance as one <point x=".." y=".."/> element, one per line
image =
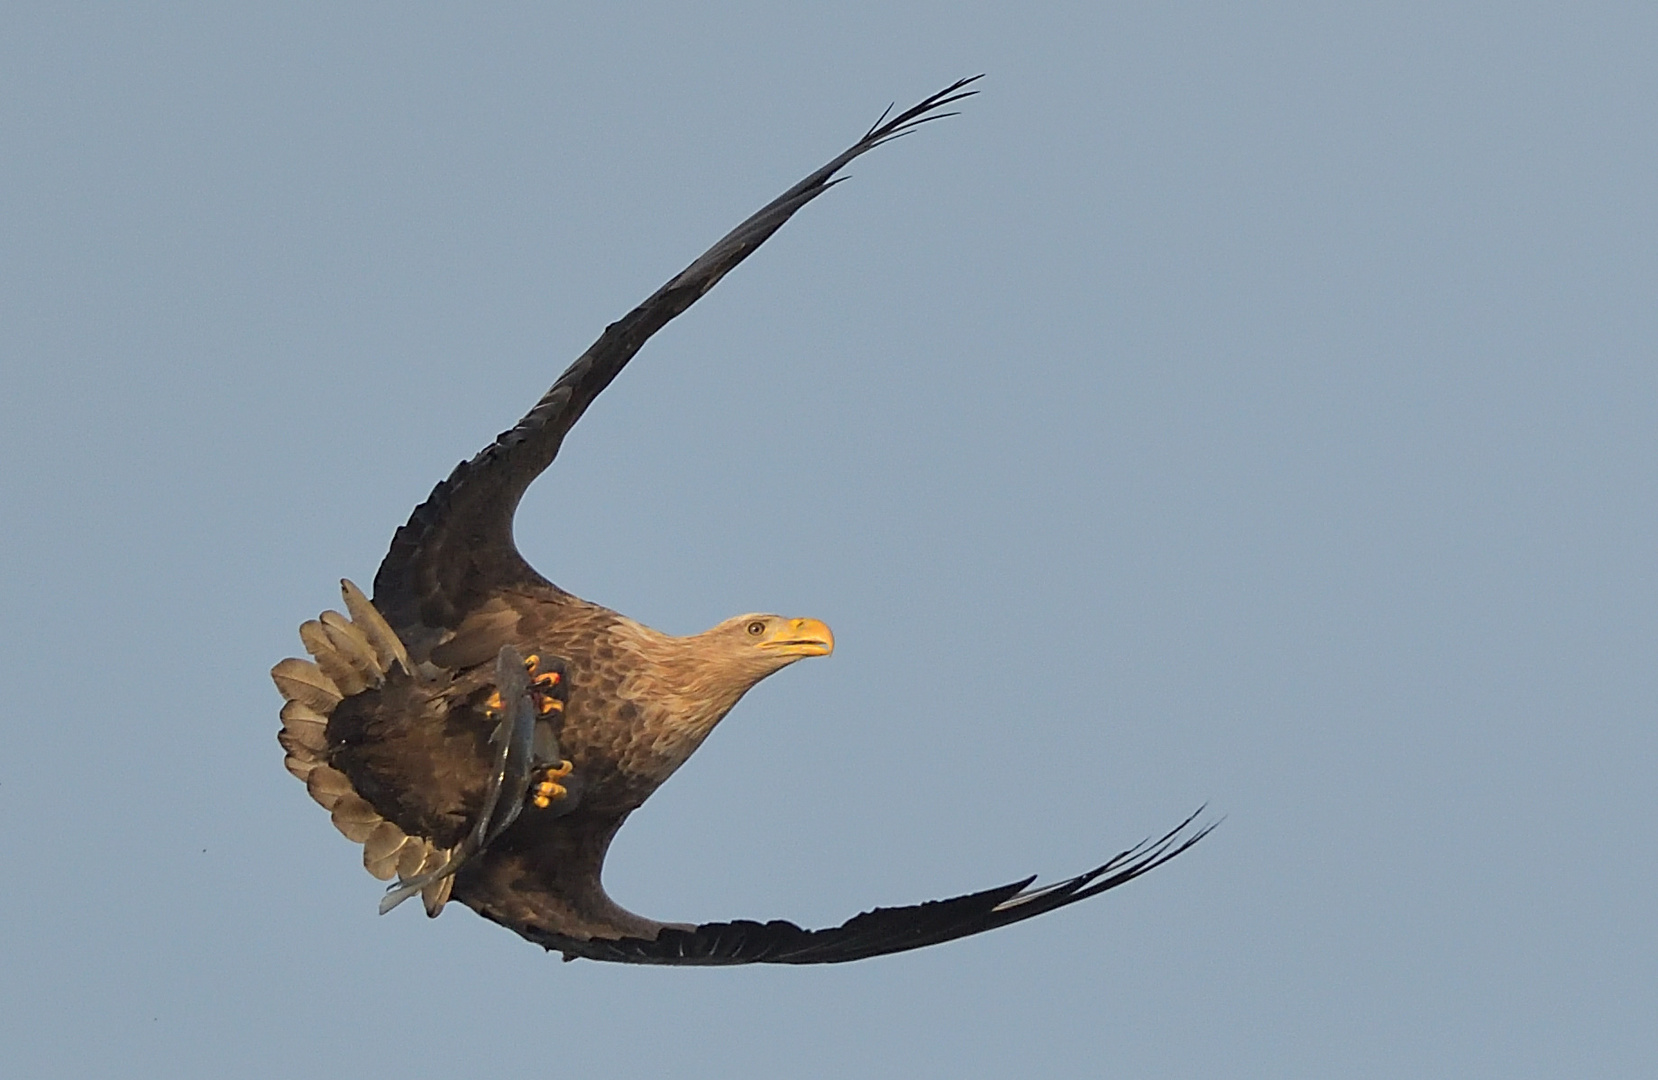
<point x="800" y="637"/>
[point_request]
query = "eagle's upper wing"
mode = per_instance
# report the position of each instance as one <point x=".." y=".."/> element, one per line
<point x="457" y="547"/>
<point x="873" y="933"/>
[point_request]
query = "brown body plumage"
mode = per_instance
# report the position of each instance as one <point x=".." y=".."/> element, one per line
<point x="484" y="733"/>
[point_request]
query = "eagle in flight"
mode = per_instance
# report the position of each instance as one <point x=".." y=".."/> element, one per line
<point x="483" y="733"/>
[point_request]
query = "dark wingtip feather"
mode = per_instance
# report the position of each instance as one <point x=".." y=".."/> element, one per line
<point x="884" y="129"/>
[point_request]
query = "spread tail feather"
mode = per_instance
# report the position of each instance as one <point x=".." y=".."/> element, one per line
<point x="348" y="656"/>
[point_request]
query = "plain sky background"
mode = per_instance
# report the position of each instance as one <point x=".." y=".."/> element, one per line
<point x="1250" y="404"/>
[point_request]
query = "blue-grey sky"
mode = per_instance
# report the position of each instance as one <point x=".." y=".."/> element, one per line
<point x="1241" y="403"/>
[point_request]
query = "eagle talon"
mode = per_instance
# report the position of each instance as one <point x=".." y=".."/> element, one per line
<point x="543" y="686"/>
<point x="545" y="793"/>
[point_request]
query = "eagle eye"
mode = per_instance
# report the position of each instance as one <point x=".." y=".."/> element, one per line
<point x="757" y="627"/>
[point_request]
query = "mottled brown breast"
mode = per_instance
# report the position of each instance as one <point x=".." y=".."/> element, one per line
<point x="630" y="721"/>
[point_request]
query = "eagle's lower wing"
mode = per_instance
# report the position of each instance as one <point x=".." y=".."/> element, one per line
<point x="878" y="932"/>
<point x="457" y="547"/>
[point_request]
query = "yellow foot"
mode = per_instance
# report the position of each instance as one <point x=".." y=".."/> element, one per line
<point x="549" y="790"/>
<point x="543" y="687"/>
<point x="548" y="681"/>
